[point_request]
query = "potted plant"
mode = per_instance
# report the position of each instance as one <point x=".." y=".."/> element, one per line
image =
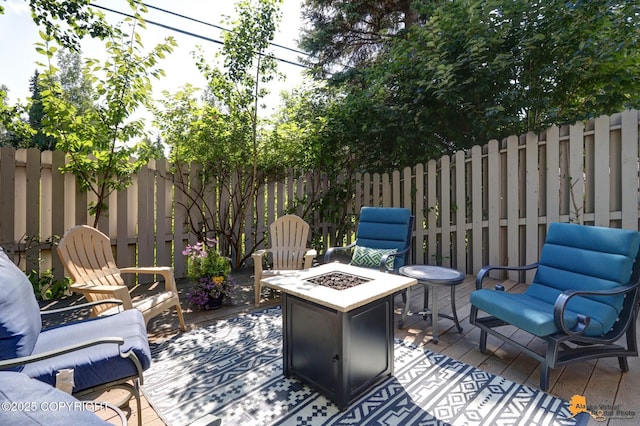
<point x="210" y="272"/>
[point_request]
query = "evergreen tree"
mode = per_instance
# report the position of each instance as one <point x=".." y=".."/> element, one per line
<point x="39" y="139"/>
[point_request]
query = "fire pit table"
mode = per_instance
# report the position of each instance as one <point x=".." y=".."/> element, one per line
<point x="338" y="327"/>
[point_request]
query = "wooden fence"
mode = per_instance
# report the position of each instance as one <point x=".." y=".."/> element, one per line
<point x="488" y="205"/>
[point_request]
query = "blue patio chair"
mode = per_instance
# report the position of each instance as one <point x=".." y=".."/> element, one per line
<point x="105" y="352"/>
<point x="383" y="239"/>
<point x="583" y="298"/>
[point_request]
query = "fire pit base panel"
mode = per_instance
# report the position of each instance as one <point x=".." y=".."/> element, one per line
<point x="341" y="354"/>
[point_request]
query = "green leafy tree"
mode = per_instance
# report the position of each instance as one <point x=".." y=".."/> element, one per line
<point x="240" y="84"/>
<point x="223" y="130"/>
<point x="473" y="70"/>
<point x="68" y="21"/>
<point x="101" y="141"/>
<point x="75" y="82"/>
<point x="512" y="67"/>
<point x="14" y="130"/>
<point x="314" y="117"/>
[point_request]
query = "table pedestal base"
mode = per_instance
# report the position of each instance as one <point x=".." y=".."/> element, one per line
<point x="431" y="278"/>
<point x="433" y="313"/>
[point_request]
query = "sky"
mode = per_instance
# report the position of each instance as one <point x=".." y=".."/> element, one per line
<point x="18" y="34"/>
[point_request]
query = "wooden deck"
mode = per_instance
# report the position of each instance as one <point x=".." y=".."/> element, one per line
<point x="600" y="382"/>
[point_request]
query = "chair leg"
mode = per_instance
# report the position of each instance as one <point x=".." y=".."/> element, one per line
<point x="550" y="361"/>
<point x="483" y="341"/>
<point x="406" y="296"/>
<point x="624" y="364"/>
<point x="134" y="391"/>
<point x="258" y="291"/>
<point x="180" y="317"/>
<point x="544" y="376"/>
<point x="453" y="308"/>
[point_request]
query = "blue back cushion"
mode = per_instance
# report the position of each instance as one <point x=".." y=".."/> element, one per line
<point x="385" y="228"/>
<point x="20" y="321"/>
<point x="587" y="258"/>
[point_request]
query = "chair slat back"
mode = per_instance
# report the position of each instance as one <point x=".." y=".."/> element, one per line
<point x="288" y="237"/>
<point x="87" y="257"/>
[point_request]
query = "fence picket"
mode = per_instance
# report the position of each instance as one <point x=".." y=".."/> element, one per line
<point x="630" y="188"/>
<point x="532" y="194"/>
<point x="418" y="208"/>
<point x="460" y="211"/>
<point x="513" y="210"/>
<point x="494" y="189"/>
<point x="601" y="167"/>
<point x="475" y="183"/>
<point x="432" y="213"/>
<point x="444" y="189"/>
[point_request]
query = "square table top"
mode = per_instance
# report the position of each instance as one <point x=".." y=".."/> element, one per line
<point x="296" y="283"/>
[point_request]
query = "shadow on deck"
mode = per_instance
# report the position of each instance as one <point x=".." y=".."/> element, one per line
<point x="601" y="382"/>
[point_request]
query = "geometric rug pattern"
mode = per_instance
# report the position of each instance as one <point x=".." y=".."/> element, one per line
<point x="233" y="370"/>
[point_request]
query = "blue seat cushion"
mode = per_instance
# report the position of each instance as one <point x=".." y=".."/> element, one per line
<point x="95" y="365"/>
<point x="41" y="404"/>
<point x="536" y="316"/>
<point x="20" y="321"/>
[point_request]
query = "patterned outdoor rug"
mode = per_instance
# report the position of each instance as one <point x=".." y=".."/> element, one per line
<point x="233" y="369"/>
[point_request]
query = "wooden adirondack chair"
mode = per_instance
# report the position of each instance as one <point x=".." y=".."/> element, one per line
<point x="288" y="237"/>
<point x="87" y="257"/>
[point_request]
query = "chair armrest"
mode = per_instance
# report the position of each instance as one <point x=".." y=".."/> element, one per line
<point x="309" y="255"/>
<point x="120" y="292"/>
<point x="484" y="272"/>
<point x="331" y="250"/>
<point x="15" y="362"/>
<point x="81" y="306"/>
<point x="155" y="270"/>
<point x="165" y="271"/>
<point x="257" y="257"/>
<point x="560" y="306"/>
<point x="385" y="258"/>
<point x="259" y="254"/>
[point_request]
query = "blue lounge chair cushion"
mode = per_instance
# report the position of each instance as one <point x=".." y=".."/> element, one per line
<point x="370" y="257"/>
<point x="37" y="403"/>
<point x="536" y="316"/>
<point x="20" y="322"/>
<point x="574" y="257"/>
<point x="95" y="365"/>
<point x="385" y="228"/>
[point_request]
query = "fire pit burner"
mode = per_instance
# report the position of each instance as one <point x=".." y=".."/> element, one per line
<point x="338" y="280"/>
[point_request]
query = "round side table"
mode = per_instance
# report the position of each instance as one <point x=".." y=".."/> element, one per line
<point x="431" y="278"/>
